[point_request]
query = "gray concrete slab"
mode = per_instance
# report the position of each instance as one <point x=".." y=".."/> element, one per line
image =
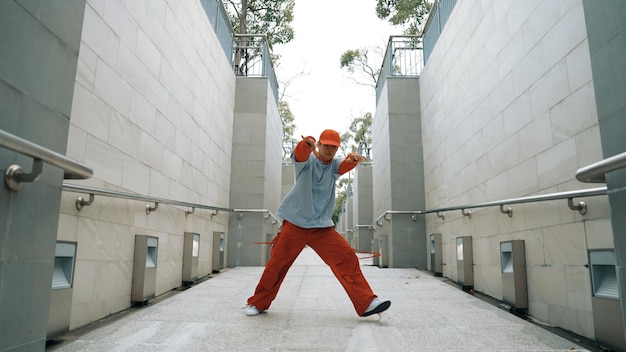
<point x="313" y="313"/>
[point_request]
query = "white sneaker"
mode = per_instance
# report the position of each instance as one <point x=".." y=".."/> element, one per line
<point x="252" y="310"/>
<point x="377" y="306"/>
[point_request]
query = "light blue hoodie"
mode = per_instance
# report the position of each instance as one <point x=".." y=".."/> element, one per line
<point x="311" y="201"/>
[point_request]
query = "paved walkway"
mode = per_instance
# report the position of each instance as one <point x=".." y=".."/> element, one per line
<point x="313" y="313"/>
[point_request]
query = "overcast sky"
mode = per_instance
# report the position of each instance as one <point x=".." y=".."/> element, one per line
<point x="324" y="29"/>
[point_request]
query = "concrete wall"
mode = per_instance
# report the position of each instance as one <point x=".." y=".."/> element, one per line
<point x="256" y="171"/>
<point x="38" y="55"/>
<point x="398" y="172"/>
<point x="363" y="212"/>
<point x="606" y="30"/>
<point x="509" y="110"/>
<point x="152" y="114"/>
<point x="381" y="145"/>
<point x="348" y="223"/>
<point x="288" y="179"/>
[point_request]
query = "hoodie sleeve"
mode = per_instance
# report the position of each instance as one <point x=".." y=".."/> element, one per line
<point x="346" y="166"/>
<point x="302" y="151"/>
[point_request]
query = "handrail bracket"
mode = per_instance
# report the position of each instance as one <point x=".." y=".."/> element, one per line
<point x="508" y="211"/>
<point x="150" y="208"/>
<point x="81" y="202"/>
<point x="581" y="206"/>
<point x="15" y="175"/>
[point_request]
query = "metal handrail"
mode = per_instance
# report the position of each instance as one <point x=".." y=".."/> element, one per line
<point x="581" y="207"/>
<point x="386" y="214"/>
<point x="15" y="175"/>
<point x="596" y="172"/>
<point x="268" y="214"/>
<point x="530" y="199"/>
<point x="93" y="191"/>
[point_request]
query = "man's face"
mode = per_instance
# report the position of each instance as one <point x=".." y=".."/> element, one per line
<point x="326" y="151"/>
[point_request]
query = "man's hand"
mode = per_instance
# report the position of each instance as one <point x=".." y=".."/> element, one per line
<point x="310" y="141"/>
<point x="355" y="157"/>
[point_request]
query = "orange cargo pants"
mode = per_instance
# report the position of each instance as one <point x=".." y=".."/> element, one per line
<point x="334" y="251"/>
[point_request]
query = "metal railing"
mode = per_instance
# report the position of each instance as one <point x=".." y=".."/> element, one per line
<point x="436" y="22"/>
<point x="216" y="13"/>
<point x="155" y="201"/>
<point x="581" y="207"/>
<point x="93" y="191"/>
<point x="288" y="148"/>
<point x="268" y="214"/>
<point x="251" y="58"/>
<point x="15" y="175"/>
<point x="385" y="215"/>
<point x="403" y="57"/>
<point x="596" y="172"/>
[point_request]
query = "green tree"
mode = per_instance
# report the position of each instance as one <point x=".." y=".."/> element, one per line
<point x="289" y="127"/>
<point x="287" y="118"/>
<point x="264" y="23"/>
<point x="364" y="63"/>
<point x="286" y="115"/>
<point x="359" y="63"/>
<point x="361" y="130"/>
<point x="269" y="17"/>
<point x="409" y="14"/>
<point x="359" y="133"/>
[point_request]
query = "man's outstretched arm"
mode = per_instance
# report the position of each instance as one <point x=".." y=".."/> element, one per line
<point x="350" y="162"/>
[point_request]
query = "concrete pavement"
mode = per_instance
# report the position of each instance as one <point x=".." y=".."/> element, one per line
<point x="313" y="313"/>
